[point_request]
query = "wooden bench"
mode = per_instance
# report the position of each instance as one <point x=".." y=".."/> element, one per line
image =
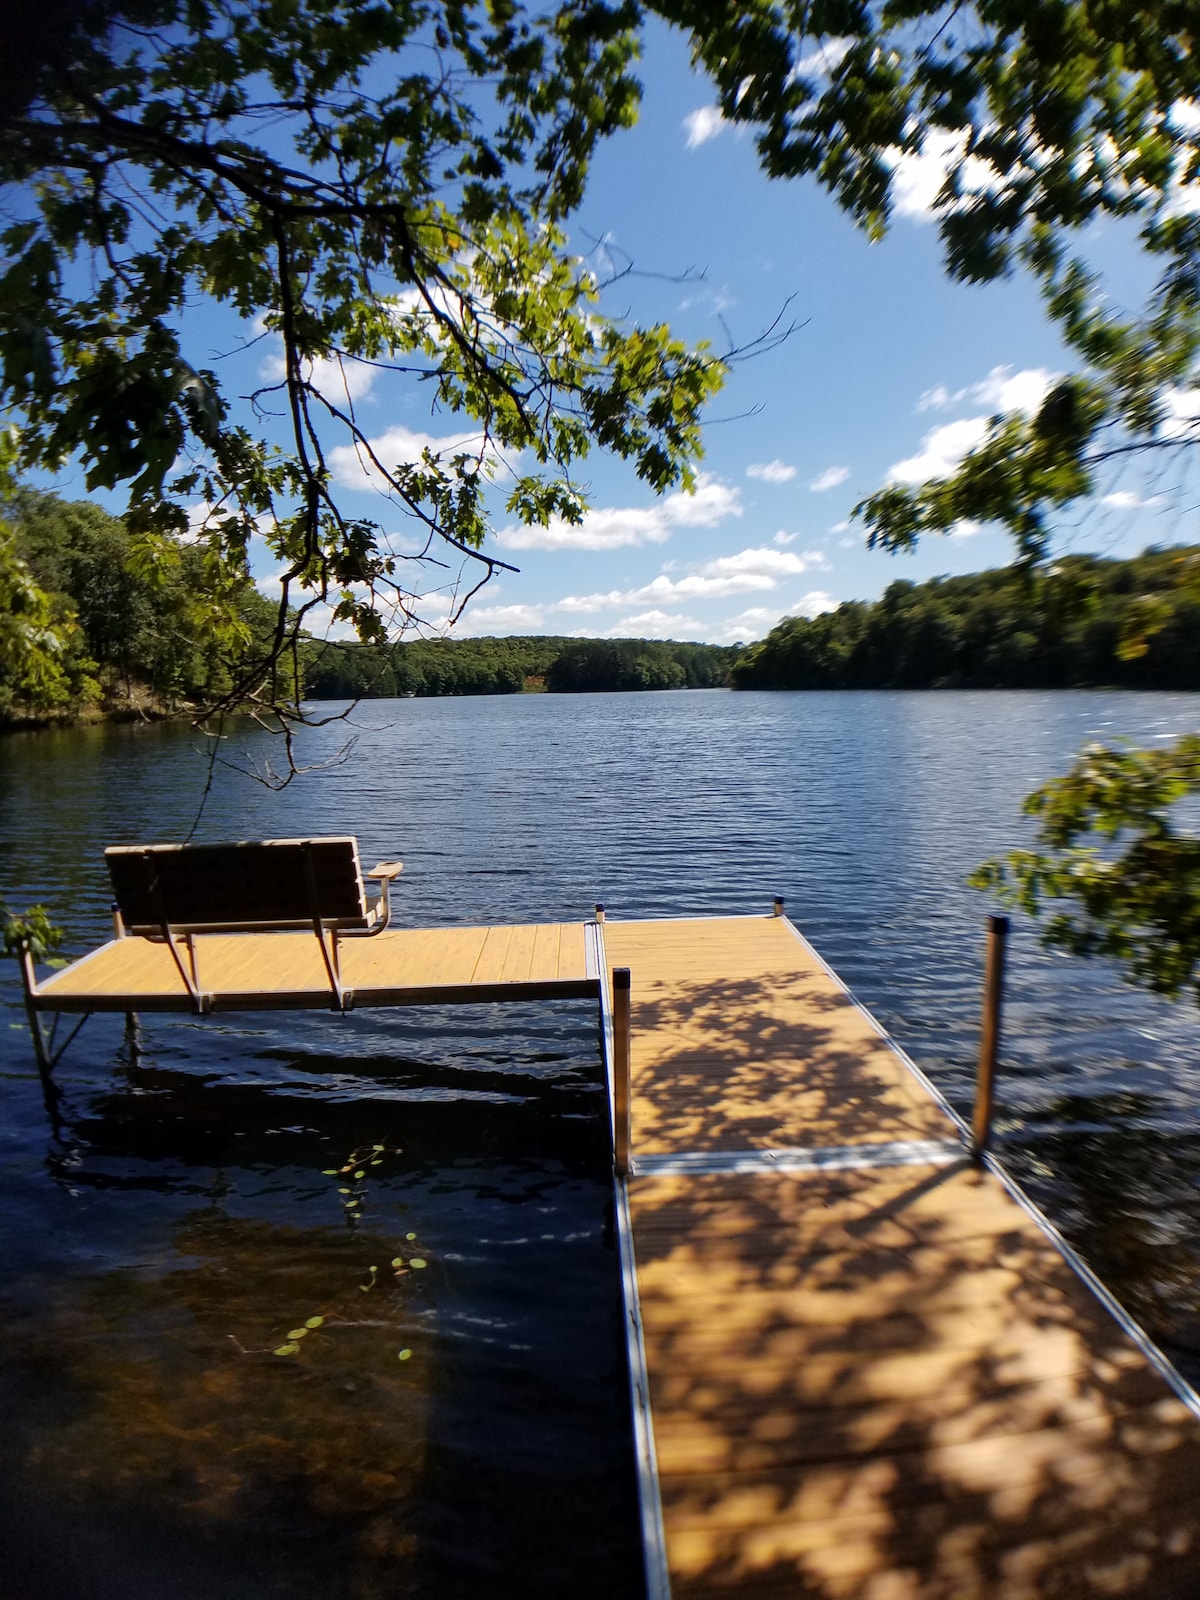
<point x="177" y="892"/>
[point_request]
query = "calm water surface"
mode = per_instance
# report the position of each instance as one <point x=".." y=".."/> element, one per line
<point x="192" y="1212"/>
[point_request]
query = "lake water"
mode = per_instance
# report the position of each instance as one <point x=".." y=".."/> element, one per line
<point x="182" y="1221"/>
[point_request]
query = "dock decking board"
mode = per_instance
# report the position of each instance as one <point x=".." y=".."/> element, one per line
<point x="853" y="1381"/>
<point x="872" y="1384"/>
<point x="247" y="969"/>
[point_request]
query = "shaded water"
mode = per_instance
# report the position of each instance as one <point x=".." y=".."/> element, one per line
<point x="161" y="1250"/>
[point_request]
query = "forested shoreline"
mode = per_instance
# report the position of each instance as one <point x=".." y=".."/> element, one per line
<point x="514" y="665"/>
<point x="1083" y="622"/>
<point x="132" y="634"/>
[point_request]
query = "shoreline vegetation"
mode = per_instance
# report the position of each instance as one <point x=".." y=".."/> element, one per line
<point x="128" y="635"/>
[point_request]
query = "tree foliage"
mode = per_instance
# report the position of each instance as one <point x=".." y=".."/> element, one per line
<point x="365" y="183"/>
<point x="508" y="666"/>
<point x="1116" y="874"/>
<point x="1084" y="622"/>
<point x="110" y="629"/>
<point x="1047" y="119"/>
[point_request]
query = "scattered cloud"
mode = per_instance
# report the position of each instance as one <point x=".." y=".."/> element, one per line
<point x="941" y="451"/>
<point x="918" y="177"/>
<point x="613" y="528"/>
<point x="964" y="528"/>
<point x="1002" y="390"/>
<point x="703" y="124"/>
<point x="826" y="58"/>
<point x="813" y="604"/>
<point x="840" y="527"/>
<point x="340" y="377"/>
<point x="771" y="471"/>
<point x="829" y="479"/>
<point x="782" y="538"/>
<point x="744" y="572"/>
<point x="353" y="468"/>
<point x="654" y="625"/>
<point x="1181" y="419"/>
<point x="712" y="302"/>
<point x="943" y="448"/>
<point x="481" y="620"/>
<point x="1129" y="500"/>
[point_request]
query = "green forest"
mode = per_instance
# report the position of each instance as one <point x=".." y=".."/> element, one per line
<point x="514" y="665"/>
<point x="132" y="632"/>
<point x="1081" y="622"/>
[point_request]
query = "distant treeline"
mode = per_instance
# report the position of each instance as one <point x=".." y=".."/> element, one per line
<point x="1084" y="622"/>
<point x="509" y="666"/>
<point x="131" y="637"/>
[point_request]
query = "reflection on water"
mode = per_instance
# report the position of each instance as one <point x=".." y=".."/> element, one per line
<point x="320" y="1325"/>
<point x="183" y="1225"/>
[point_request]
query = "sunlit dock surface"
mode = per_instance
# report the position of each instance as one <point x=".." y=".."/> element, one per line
<point x="863" y="1367"/>
<point x="872" y="1374"/>
<point x="286" y="971"/>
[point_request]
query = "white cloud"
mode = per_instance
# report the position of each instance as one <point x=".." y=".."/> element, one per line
<point x="826" y="58"/>
<point x="613" y="528"/>
<point x="1002" y="390"/>
<point x="653" y="625"/>
<point x="943" y="448"/>
<point x="941" y="451"/>
<point x="400" y="446"/>
<point x="813" y="604"/>
<point x="703" y="125"/>
<point x="341" y="378"/>
<point x="746" y="626"/>
<point x="1126" y="500"/>
<point x="936" y="399"/>
<point x="840" y="527"/>
<point x="964" y="528"/>
<point x="782" y="538"/>
<point x="919" y="177"/>
<point x="745" y="572"/>
<point x="829" y="479"/>
<point x="481" y="620"/>
<point x="771" y="471"/>
<point x="1182" y="415"/>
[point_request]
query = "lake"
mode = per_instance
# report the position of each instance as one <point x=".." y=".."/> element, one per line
<point x="459" y="1427"/>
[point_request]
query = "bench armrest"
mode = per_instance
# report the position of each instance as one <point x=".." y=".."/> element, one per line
<point x="386" y="870"/>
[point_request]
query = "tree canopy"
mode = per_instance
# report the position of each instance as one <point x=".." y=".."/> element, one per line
<point x="391" y="181"/>
<point x="376" y="183"/>
<point x="1046" y="118"/>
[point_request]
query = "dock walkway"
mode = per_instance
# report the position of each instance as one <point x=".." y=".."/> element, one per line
<point x="873" y="1374"/>
<point x="864" y="1367"/>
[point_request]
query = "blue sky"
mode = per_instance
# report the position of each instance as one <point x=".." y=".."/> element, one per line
<point x="891" y="372"/>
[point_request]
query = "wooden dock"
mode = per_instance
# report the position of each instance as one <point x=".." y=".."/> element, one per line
<point x="286" y="971"/>
<point x="867" y="1370"/>
<point x="863" y="1366"/>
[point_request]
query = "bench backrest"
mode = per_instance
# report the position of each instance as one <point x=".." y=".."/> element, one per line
<point x="262" y="883"/>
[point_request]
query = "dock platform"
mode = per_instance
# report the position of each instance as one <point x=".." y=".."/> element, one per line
<point x="870" y="1371"/>
<point x="863" y="1366"/>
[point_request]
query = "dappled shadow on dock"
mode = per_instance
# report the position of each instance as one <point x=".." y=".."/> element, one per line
<point x="781" y="1058"/>
<point x="888" y="1385"/>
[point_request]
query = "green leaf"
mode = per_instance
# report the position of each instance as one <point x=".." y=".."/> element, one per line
<point x="289" y="1349"/>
